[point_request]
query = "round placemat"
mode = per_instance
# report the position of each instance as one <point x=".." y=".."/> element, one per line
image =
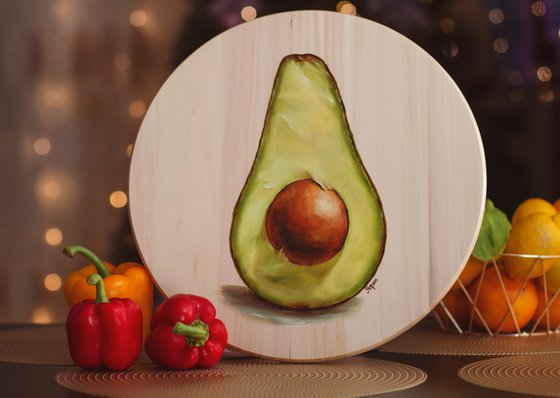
<point x="526" y="374"/>
<point x="426" y="338"/>
<point x="199" y="139"/>
<point x="352" y="377"/>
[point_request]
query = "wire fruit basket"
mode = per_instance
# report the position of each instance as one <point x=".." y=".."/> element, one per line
<point x="545" y="319"/>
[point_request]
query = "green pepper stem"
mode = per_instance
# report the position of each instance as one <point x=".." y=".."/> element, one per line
<point x="196" y="334"/>
<point x="100" y="293"/>
<point x="71" y="251"/>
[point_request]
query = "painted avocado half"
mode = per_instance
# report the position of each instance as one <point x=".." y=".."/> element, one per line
<point x="308" y="229"/>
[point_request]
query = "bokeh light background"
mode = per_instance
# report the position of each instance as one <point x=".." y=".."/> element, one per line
<point x="76" y="78"/>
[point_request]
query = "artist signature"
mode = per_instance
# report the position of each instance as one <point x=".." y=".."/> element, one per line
<point x="371" y="286"/>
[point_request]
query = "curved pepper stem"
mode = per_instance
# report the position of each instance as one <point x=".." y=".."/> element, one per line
<point x="71" y="251"/>
<point x="100" y="293"/>
<point x="196" y="334"/>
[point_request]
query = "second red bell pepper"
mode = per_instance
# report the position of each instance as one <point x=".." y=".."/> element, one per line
<point x="186" y="333"/>
<point x="129" y="280"/>
<point x="104" y="333"/>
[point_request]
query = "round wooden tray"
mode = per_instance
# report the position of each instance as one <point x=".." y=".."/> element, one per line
<point x="415" y="134"/>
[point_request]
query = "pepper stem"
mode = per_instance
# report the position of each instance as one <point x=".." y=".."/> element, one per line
<point x="100" y="293"/>
<point x="196" y="334"/>
<point x="71" y="251"/>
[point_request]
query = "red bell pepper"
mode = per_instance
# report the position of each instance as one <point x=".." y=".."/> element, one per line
<point x="104" y="333"/>
<point x="186" y="334"/>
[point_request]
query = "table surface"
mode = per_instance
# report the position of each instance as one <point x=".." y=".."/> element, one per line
<point x="23" y="380"/>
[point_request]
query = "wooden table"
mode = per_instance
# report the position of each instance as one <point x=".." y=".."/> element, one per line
<point x="22" y="380"/>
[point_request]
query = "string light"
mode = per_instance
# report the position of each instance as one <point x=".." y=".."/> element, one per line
<point x="51" y="189"/>
<point x="42" y="146"/>
<point x="118" y="199"/>
<point x="52" y="282"/>
<point x="138" y="18"/>
<point x="546" y="95"/>
<point x="500" y="45"/>
<point x="248" y="13"/>
<point x="496" y="16"/>
<point x="137" y="108"/>
<point x="340" y="4"/>
<point x="53" y="236"/>
<point x="54" y="185"/>
<point x="129" y="149"/>
<point x="41" y="315"/>
<point x="348" y="8"/>
<point x="538" y="8"/>
<point x="451" y="50"/>
<point x="54" y="95"/>
<point x="544" y="74"/>
<point x="447" y="25"/>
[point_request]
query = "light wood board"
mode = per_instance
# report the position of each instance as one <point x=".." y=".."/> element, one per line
<point x="415" y="134"/>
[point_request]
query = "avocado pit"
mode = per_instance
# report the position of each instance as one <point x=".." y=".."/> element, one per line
<point x="308" y="223"/>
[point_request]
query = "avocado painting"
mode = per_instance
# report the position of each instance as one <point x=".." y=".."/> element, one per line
<point x="308" y="228"/>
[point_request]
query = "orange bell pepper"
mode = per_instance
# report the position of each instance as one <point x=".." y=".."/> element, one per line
<point x="128" y="280"/>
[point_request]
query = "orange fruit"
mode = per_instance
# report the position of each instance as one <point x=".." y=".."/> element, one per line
<point x="553" y="310"/>
<point x="557" y="205"/>
<point x="538" y="233"/>
<point x="531" y="206"/>
<point x="493" y="304"/>
<point x="458" y="306"/>
<point x="472" y="269"/>
<point x="552" y="278"/>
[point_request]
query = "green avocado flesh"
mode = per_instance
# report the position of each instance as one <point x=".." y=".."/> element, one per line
<point x="306" y="136"/>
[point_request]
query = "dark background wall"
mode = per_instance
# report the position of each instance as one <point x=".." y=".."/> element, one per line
<point x="77" y="76"/>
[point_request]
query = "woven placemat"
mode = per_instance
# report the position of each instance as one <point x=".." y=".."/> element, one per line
<point x="352" y="377"/>
<point x="427" y="338"/>
<point x="526" y="374"/>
